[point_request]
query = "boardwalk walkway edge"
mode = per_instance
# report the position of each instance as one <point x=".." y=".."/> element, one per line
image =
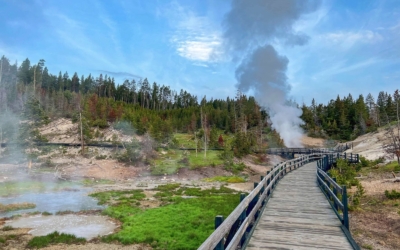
<point x="237" y="228"/>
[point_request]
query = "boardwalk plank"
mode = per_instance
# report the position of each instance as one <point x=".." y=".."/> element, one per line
<point x="298" y="216"/>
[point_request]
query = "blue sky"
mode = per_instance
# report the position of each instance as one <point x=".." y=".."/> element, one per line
<point x="354" y="46"/>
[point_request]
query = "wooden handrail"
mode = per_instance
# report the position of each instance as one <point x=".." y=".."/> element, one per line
<point x="264" y="189"/>
<point x="335" y="198"/>
<point x="328" y="178"/>
<point x="276" y="173"/>
<point x="323" y="164"/>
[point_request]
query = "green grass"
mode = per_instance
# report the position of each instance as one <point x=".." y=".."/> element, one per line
<point x="212" y="159"/>
<point x="188" y="141"/>
<point x="54" y="238"/>
<point x="228" y="179"/>
<point x="91" y="182"/>
<point x="4" y="238"/>
<point x="170" y="162"/>
<point x="369" y="247"/>
<point x="185" y="140"/>
<point x="128" y="197"/>
<point x="393" y="166"/>
<point x="370" y="167"/>
<point x="180" y="223"/>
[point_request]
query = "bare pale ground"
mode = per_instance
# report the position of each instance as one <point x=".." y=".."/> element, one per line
<point x="376" y="223"/>
<point x="313" y="142"/>
<point x="370" y="145"/>
<point x="64" y="131"/>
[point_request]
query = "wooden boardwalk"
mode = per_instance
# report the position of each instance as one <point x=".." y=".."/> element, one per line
<point x="298" y="216"/>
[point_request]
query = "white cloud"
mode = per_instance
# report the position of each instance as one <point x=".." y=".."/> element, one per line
<point x="198" y="48"/>
<point x="347" y="39"/>
<point x="194" y="37"/>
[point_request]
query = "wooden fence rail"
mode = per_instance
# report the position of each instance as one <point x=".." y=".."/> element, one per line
<point x="233" y="232"/>
<point x="336" y="194"/>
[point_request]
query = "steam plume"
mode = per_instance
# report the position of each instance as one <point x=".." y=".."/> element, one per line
<point x="250" y="27"/>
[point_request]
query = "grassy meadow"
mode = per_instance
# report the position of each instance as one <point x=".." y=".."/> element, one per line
<point x="183" y="221"/>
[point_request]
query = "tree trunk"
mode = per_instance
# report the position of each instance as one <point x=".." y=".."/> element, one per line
<point x="82" y="142"/>
<point x="195" y="139"/>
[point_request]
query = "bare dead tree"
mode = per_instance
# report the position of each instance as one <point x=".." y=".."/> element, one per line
<point x="393" y="147"/>
<point x="204" y="124"/>
<point x="82" y="141"/>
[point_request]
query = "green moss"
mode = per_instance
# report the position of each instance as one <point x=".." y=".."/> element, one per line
<point x="228" y="179"/>
<point x="168" y="187"/>
<point x="54" y="238"/>
<point x="183" y="223"/>
<point x="120" y="197"/>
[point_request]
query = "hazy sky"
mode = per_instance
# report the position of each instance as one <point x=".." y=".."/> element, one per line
<point x="354" y="46"/>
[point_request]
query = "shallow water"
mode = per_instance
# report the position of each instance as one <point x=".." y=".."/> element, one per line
<point x="48" y="196"/>
<point x="87" y="226"/>
<point x="53" y="201"/>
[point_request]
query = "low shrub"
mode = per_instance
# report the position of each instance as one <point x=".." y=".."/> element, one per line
<point x="7" y="228"/>
<point x="392" y="195"/>
<point x="54" y="238"/>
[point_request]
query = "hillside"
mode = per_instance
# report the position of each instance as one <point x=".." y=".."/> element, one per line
<point x="375" y="223"/>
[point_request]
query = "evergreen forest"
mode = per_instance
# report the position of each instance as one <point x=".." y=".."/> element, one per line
<point x="160" y="111"/>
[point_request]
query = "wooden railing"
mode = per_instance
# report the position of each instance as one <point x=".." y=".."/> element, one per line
<point x="336" y="194"/>
<point x="337" y="149"/>
<point x="233" y="232"/>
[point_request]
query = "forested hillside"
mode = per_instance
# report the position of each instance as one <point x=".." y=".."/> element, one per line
<point x="159" y="110"/>
<point x="347" y="118"/>
<point x="149" y="108"/>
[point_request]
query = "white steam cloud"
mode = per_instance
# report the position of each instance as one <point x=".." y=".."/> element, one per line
<point x="250" y="28"/>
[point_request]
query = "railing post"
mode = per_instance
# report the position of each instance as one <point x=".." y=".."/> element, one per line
<point x="263" y="187"/>
<point x="345" y="208"/>
<point x="218" y="221"/>
<point x="268" y="182"/>
<point x="242" y="218"/>
<point x="335" y="193"/>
